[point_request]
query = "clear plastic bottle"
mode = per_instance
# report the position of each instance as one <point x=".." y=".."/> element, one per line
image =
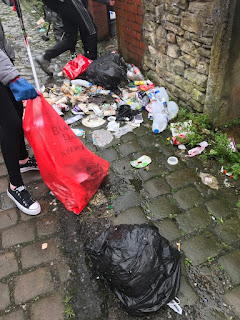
<point x="160" y="118"/>
<point x="161" y="95"/>
<point x="172" y="109"/>
<point x="160" y="122"/>
<point x="80" y="82"/>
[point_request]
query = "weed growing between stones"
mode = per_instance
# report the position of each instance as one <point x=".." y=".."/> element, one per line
<point x="220" y="145"/>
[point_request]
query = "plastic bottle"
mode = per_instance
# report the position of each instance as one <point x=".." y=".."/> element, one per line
<point x="161" y="95"/>
<point x="80" y="82"/>
<point x="172" y="109"/>
<point x="137" y="72"/>
<point x="160" y="118"/>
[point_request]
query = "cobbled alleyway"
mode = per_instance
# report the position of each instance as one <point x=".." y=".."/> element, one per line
<point x="43" y="273"/>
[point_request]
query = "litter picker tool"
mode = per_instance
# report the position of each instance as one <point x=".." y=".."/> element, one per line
<point x="19" y="13"/>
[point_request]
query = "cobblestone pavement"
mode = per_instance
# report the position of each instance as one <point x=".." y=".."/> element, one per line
<point x="34" y="282"/>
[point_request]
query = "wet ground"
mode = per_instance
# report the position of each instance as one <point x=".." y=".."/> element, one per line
<point x="205" y="221"/>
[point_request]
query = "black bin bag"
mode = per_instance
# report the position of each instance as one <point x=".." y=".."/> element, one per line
<point x="107" y="71"/>
<point x="139" y="266"/>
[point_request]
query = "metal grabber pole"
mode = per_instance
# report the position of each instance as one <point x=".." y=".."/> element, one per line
<point x="19" y="13"/>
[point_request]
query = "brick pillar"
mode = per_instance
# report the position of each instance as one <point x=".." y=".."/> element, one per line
<point x="129" y="18"/>
<point x="99" y="13"/>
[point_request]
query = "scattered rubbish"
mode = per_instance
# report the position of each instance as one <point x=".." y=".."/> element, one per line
<point x="209" y="180"/>
<point x="125" y="113"/>
<point x="113" y="126"/>
<point x="93" y="121"/>
<point x="182" y="147"/>
<point x="111" y="118"/>
<point x="57" y="109"/>
<point x="78" y="132"/>
<point x="74" y="119"/>
<point x="44" y="245"/>
<point x="141" y="162"/>
<point x="226" y="173"/>
<point x="134" y="73"/>
<point x="122" y="131"/>
<point x="172" y="161"/>
<point x="180" y="129"/>
<point x="233" y="144"/>
<point x="175" y="305"/>
<point x="139" y="265"/>
<point x="101" y="138"/>
<point x="198" y="150"/>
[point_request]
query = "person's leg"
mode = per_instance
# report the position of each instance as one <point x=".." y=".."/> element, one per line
<point x="10" y="145"/>
<point x="11" y="133"/>
<point x="68" y="41"/>
<point x="89" y="44"/>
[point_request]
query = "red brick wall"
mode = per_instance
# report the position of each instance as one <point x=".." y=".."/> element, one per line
<point x="129" y="18"/>
<point x="99" y="13"/>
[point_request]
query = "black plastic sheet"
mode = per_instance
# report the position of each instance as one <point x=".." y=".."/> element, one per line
<point x="138" y="264"/>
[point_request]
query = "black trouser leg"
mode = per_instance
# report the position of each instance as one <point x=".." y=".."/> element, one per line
<point x="67" y="43"/>
<point x="12" y="143"/>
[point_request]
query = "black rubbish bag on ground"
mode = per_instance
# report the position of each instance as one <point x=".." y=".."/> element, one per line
<point x="138" y="264"/>
<point x="107" y="71"/>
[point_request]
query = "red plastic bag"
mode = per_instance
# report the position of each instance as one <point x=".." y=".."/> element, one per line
<point x="76" y="67"/>
<point x="69" y="169"/>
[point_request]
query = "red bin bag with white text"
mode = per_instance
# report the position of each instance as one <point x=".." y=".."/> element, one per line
<point x="76" y="66"/>
<point x="71" y="171"/>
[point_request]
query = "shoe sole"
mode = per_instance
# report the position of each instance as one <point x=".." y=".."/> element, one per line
<point x="28" y="169"/>
<point x="22" y="208"/>
<point x="50" y="74"/>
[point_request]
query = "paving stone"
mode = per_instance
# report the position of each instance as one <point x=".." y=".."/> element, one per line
<point x="6" y="202"/>
<point x="167" y="150"/>
<point x="3" y="184"/>
<point x="168" y="229"/>
<point x="33" y="255"/>
<point x="33" y="284"/>
<point x="233" y="299"/>
<point x="3" y="170"/>
<point x="154" y="171"/>
<point x="21" y="233"/>
<point x="218" y="208"/>
<point x="130" y="216"/>
<point x="8" y="264"/>
<point x="188" y="198"/>
<point x="122" y="166"/>
<point x="16" y="315"/>
<point x="186" y="294"/>
<point x="157" y="187"/>
<point x="31" y="176"/>
<point x="141" y="131"/>
<point x="148" y="141"/>
<point x="129" y="200"/>
<point x="229" y="231"/>
<point x="193" y="219"/>
<point x="63" y="271"/>
<point x="200" y="247"/>
<point x="162" y="207"/>
<point x="50" y="307"/>
<point x="46" y="208"/>
<point x="4" y="296"/>
<point x="129" y="147"/>
<point x="128" y="137"/>
<point x="109" y="155"/>
<point x="231" y="264"/>
<point x="46" y="225"/>
<point x="182" y="178"/>
<point x="8" y="218"/>
<point x="37" y="189"/>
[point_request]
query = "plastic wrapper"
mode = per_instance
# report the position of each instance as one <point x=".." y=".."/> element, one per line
<point x="139" y="266"/>
<point x="107" y="71"/>
<point x="69" y="169"/>
<point x="76" y="66"/>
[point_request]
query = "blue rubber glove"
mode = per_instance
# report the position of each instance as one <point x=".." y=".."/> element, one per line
<point x="22" y="90"/>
